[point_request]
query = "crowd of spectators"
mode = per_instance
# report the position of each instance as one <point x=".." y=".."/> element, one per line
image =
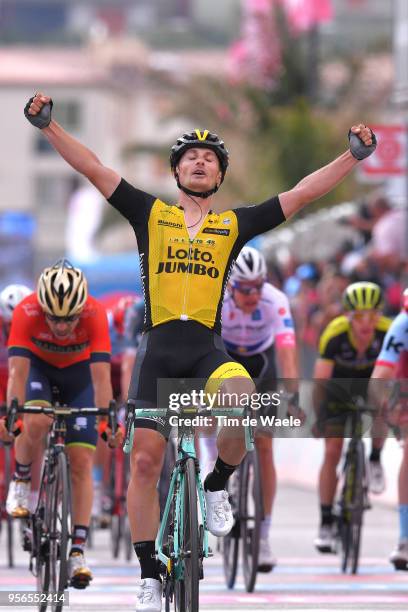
<point x="378" y="255"/>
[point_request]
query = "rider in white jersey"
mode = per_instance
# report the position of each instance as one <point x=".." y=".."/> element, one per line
<point x="256" y="324"/>
<point x="270" y="323"/>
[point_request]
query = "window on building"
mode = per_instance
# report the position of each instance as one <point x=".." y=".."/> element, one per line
<point x="51" y="193"/>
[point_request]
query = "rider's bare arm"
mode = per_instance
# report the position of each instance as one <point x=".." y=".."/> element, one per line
<point x="286" y="357"/>
<point x="317" y="184"/>
<point x="19" y="368"/>
<point x="101" y="380"/>
<point x="378" y="390"/>
<point x="76" y="154"/>
<point x="323" y="370"/>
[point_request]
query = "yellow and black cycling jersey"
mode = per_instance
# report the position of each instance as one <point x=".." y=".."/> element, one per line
<point x="337" y="345"/>
<point x="184" y="279"/>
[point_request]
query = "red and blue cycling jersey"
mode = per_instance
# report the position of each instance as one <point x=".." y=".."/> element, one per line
<point x="31" y="336"/>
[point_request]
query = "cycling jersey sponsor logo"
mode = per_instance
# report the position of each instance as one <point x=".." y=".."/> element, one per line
<point x="51" y="347"/>
<point x="156" y="419"/>
<point x="168" y="211"/>
<point x="209" y="243"/>
<point x="282" y="311"/>
<point x="80" y="423"/>
<point x="143" y="277"/>
<point x="395" y="346"/>
<point x="201" y="135"/>
<point x="216" y="230"/>
<point x="31" y="310"/>
<point x="288" y="322"/>
<point x="193" y="261"/>
<point x="170" y="224"/>
<point x="256" y="315"/>
<point x="226" y="221"/>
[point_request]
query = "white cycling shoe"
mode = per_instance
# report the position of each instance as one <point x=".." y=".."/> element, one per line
<point x="399" y="556"/>
<point x="149" y="595"/>
<point x="266" y="560"/>
<point x="219" y="514"/>
<point x="18" y="499"/>
<point x="376" y="478"/>
<point x="79" y="573"/>
<point x="325" y="541"/>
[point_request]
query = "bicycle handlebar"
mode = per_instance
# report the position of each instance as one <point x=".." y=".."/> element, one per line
<point x="15" y="409"/>
<point x="133" y="412"/>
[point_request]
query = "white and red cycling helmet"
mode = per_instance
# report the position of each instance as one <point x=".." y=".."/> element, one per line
<point x="249" y="266"/>
<point x="10" y="297"/>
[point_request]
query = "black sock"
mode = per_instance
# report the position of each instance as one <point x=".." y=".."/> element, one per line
<point x="375" y="454"/>
<point x="22" y="471"/>
<point x="326" y="514"/>
<point x="146" y="553"/>
<point x="79" y="536"/>
<point x="218" y="478"/>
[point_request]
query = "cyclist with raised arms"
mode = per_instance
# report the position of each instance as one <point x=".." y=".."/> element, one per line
<point x="348" y="349"/>
<point x="258" y="332"/>
<point x="59" y="338"/>
<point x="186" y="252"/>
<point x="392" y="363"/>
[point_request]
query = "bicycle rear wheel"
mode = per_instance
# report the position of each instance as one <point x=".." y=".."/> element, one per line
<point x="230" y="542"/>
<point x="128" y="541"/>
<point x="59" y="523"/>
<point x="251" y="514"/>
<point x="187" y="587"/>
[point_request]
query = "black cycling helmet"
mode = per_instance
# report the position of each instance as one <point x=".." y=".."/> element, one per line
<point x="199" y="138"/>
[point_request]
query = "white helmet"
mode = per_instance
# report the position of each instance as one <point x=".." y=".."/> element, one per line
<point x="249" y="266"/>
<point x="10" y="297"/>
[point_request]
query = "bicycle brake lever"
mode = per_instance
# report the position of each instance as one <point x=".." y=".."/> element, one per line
<point x="129" y="427"/>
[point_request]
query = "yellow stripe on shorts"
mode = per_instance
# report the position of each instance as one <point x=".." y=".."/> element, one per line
<point x="230" y="369"/>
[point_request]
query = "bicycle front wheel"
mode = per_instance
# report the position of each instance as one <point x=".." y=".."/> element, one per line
<point x="8" y="470"/>
<point x="117" y="494"/>
<point x="352" y="505"/>
<point x="170" y="458"/>
<point x="59" y="519"/>
<point x="40" y="552"/>
<point x="251" y="514"/>
<point x="187" y="586"/>
<point x="230" y="542"/>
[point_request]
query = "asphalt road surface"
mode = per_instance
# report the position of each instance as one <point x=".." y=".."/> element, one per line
<point x="302" y="580"/>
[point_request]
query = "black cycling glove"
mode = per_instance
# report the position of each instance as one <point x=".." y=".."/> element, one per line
<point x="357" y="147"/>
<point x="43" y="118"/>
